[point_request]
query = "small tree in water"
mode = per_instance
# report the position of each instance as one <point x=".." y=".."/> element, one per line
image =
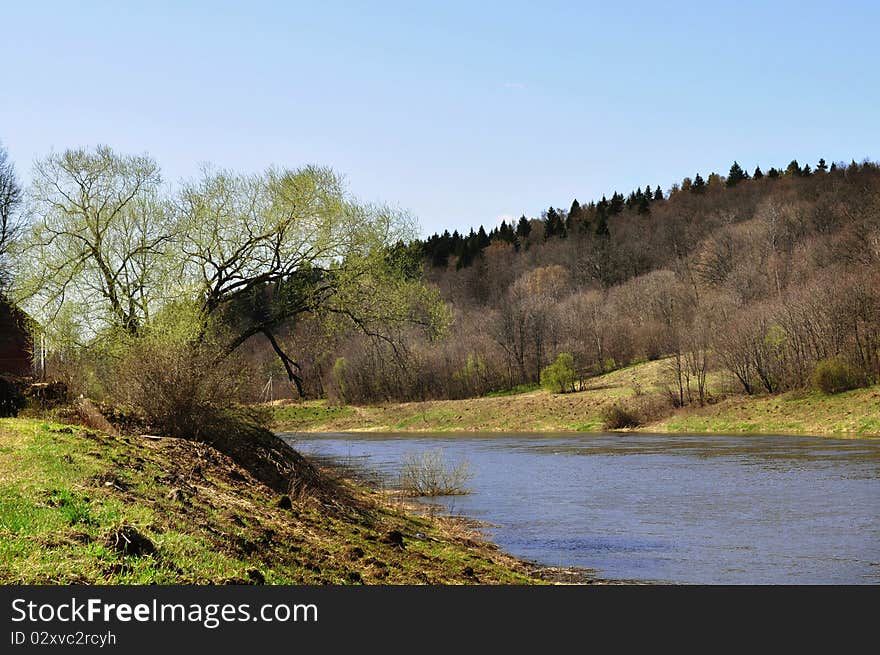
<point x="426" y="474"/>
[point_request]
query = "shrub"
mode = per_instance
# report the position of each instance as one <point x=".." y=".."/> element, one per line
<point x="617" y="417"/>
<point x="834" y="375"/>
<point x="560" y="376"/>
<point x="635" y="412"/>
<point x="426" y="474"/>
<point x="175" y="377"/>
<point x="338" y="386"/>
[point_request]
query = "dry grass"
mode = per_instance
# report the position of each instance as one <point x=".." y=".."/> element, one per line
<point x="853" y="412"/>
<point x="67" y="493"/>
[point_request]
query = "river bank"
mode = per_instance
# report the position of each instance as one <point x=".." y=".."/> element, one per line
<point x="78" y="506"/>
<point x="853" y="413"/>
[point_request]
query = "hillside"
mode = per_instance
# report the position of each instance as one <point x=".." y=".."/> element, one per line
<point x="855" y="412"/>
<point x="762" y="277"/>
<point x="81" y="507"/>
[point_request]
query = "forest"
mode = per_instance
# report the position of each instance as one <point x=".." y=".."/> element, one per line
<point x="259" y="287"/>
<point x="772" y="278"/>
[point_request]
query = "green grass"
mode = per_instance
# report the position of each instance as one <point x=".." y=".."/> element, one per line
<point x="854" y="412"/>
<point x="65" y="492"/>
<point x="308" y="414"/>
<point x="518" y="389"/>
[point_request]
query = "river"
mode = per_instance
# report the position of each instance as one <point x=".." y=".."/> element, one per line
<point x="755" y="509"/>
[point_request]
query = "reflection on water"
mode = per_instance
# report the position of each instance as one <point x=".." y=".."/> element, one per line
<point x="694" y="509"/>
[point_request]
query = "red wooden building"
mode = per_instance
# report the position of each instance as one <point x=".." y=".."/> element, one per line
<point x="15" y="341"/>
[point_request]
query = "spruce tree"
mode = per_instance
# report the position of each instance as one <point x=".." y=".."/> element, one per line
<point x="575" y="217"/>
<point x="736" y="175"/>
<point x="822" y="166"/>
<point x="699" y="184"/>
<point x="658" y="194"/>
<point x="553" y="226"/>
<point x="758" y="174"/>
<point x="773" y="173"/>
<point x="482" y="239"/>
<point x="523" y="227"/>
<point x="602" y="221"/>
<point x="793" y="168"/>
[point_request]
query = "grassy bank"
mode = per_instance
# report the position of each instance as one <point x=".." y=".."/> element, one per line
<point x="854" y="412"/>
<point x="78" y="506"/>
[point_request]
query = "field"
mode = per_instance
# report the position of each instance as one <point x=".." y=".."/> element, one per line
<point x="852" y="413"/>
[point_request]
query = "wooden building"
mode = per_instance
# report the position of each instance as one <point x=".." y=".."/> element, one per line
<point x="15" y="341"/>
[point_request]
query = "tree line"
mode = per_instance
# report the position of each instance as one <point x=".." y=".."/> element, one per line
<point x="765" y="276"/>
<point x="229" y="282"/>
<point x="154" y="297"/>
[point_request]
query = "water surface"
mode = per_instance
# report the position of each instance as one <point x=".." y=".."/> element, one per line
<point x="689" y="509"/>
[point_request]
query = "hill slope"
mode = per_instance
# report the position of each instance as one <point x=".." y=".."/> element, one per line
<point x="854" y="412"/>
<point x="77" y="506"/>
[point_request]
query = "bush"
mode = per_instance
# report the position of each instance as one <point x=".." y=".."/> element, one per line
<point x="835" y="375"/>
<point x="635" y="412"/>
<point x="338" y="386"/>
<point x="175" y="377"/>
<point x="426" y="474"/>
<point x="560" y="376"/>
<point x="618" y="417"/>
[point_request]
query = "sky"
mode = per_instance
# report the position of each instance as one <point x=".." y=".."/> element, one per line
<point x="460" y="112"/>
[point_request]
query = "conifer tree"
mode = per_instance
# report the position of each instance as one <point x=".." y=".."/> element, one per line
<point x="736" y="175"/>
<point x="658" y="194"/>
<point x="699" y="184"/>
<point x="523" y="227"/>
<point x="575" y="216"/>
<point x="602" y="220"/>
<point x="758" y="174"/>
<point x="482" y="240"/>
<point x="822" y="166"/>
<point x="553" y="225"/>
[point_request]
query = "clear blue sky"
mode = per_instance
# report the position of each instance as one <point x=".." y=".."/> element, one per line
<point x="460" y="112"/>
